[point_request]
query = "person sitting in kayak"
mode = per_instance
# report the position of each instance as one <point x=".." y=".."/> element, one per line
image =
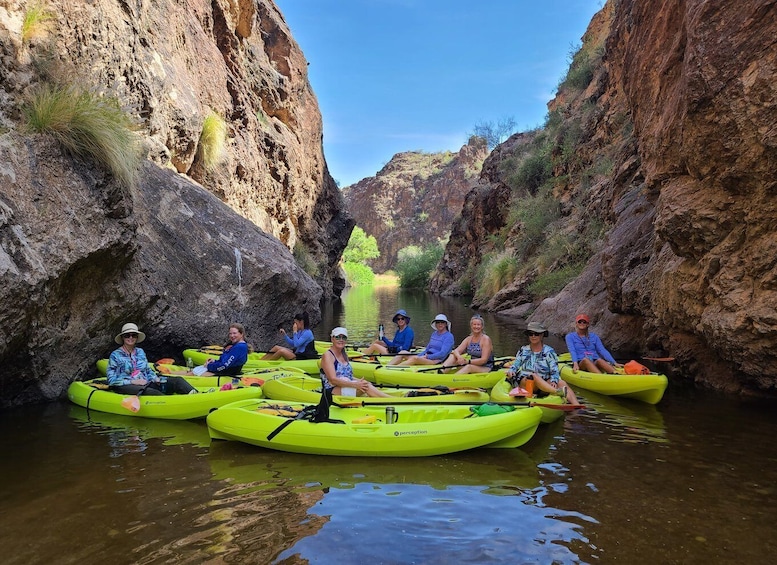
<point x="436" y="351"/>
<point x="129" y="371"/>
<point x="403" y="338"/>
<point x="587" y="350"/>
<point x="478" y="345"/>
<point x="301" y="344"/>
<point x="539" y="363"/>
<point x="336" y="371"/>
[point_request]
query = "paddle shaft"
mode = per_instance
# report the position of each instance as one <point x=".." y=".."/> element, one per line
<point x="363" y="404"/>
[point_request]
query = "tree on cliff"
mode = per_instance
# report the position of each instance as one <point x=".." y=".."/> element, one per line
<point x="361" y="248"/>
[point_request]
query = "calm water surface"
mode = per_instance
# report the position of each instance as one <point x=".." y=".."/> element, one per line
<point x="691" y="480"/>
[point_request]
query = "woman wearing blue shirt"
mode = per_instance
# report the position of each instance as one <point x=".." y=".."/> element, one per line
<point x="301" y="345"/>
<point x="403" y="339"/>
<point x="587" y="350"/>
<point x="436" y="351"/>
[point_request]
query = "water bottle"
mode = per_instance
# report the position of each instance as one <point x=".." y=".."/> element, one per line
<point x="380" y="331"/>
<point x="189" y="364"/>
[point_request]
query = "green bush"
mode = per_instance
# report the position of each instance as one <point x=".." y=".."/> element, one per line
<point x="495" y="273"/>
<point x="552" y="282"/>
<point x="305" y="260"/>
<point x="415" y="265"/>
<point x="88" y="126"/>
<point x="361" y="247"/>
<point x="38" y="20"/>
<point x="358" y="274"/>
<point x="213" y="140"/>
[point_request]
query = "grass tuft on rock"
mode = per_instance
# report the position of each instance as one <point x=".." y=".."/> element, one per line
<point x="88" y="126"/>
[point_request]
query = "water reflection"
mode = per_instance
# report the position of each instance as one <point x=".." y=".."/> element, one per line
<point x="629" y="421"/>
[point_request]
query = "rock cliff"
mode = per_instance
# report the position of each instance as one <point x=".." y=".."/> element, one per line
<point x="190" y="247"/>
<point x="680" y="101"/>
<point x="414" y="199"/>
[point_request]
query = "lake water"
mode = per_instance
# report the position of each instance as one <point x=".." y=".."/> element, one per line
<point x="691" y="480"/>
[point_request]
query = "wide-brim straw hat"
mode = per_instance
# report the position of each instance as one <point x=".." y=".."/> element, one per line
<point x="129" y="329"/>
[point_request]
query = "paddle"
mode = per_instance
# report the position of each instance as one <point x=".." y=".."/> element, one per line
<point x="389" y="402"/>
<point x="498" y="364"/>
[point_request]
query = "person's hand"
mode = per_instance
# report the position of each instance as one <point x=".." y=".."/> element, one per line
<point x="575" y="367"/>
<point x="282" y="331"/>
<point x="139" y="382"/>
<point x="510" y="373"/>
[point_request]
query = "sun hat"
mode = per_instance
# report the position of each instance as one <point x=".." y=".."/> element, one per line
<point x="400" y="313"/>
<point x="583" y="317"/>
<point x="339" y="331"/>
<point x="536" y="327"/>
<point x="440" y="318"/>
<point x="129" y="329"/>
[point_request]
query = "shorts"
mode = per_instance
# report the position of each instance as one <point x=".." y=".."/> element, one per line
<point x="393" y="349"/>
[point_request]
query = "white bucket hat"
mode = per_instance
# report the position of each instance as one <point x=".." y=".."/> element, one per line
<point x="129" y="329"/>
<point x="440" y="318"/>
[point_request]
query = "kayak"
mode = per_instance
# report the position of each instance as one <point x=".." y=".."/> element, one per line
<point x="418" y="430"/>
<point x="417" y="376"/>
<point x="303" y="388"/>
<point x="646" y="388"/>
<point x="501" y="393"/>
<point x="95" y="395"/>
<point x="255" y="361"/>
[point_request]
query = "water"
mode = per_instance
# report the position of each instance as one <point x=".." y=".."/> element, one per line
<point x="691" y="480"/>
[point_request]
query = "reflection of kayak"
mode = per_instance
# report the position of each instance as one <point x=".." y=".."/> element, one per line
<point x="646" y="388"/>
<point x="637" y="421"/>
<point x="174" y="432"/>
<point x="419" y="429"/>
<point x="417" y="376"/>
<point x="497" y="472"/>
<point x="303" y="388"/>
<point x="500" y="393"/>
<point x="95" y="395"/>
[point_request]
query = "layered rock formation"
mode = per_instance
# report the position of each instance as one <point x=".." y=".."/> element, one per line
<point x="414" y="199"/>
<point x="687" y="265"/>
<point x="80" y="253"/>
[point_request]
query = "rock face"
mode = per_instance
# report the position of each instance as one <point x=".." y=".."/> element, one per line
<point x="414" y="199"/>
<point x="192" y="247"/>
<point x="687" y="264"/>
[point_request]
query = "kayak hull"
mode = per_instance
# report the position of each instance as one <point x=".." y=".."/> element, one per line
<point x="645" y="388"/>
<point x="501" y="393"/>
<point x="419" y="430"/>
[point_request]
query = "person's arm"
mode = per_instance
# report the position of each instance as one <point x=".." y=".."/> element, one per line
<point x="235" y="356"/>
<point x="117" y="376"/>
<point x="302" y="339"/>
<point x="515" y="368"/>
<point x="552" y="360"/>
<point x="444" y="346"/>
<point x="602" y="351"/>
<point x="143" y="366"/>
<point x="572" y="347"/>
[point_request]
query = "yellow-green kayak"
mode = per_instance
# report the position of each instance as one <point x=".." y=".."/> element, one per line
<point x="646" y="388"/>
<point x="419" y="430"/>
<point x="501" y="393"/>
<point x="418" y="376"/>
<point x="304" y="388"/>
<point x="95" y="395"/>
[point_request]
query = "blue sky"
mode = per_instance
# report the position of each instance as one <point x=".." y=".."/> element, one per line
<point x="406" y="75"/>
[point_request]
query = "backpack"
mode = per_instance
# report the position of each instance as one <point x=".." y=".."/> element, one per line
<point x="634" y="368"/>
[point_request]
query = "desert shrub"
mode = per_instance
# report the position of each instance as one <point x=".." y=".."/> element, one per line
<point x="38" y="20"/>
<point x="495" y="272"/>
<point x="213" y="140"/>
<point x="305" y="259"/>
<point x="88" y="126"/>
<point x="581" y="70"/>
<point x="361" y="247"/>
<point x="552" y="282"/>
<point x="415" y="264"/>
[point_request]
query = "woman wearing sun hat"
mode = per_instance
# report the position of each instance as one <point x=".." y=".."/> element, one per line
<point x="130" y="373"/>
<point x="437" y="350"/>
<point x="336" y="371"/>
<point x="539" y="363"/>
<point x="403" y="338"/>
<point x="587" y="350"/>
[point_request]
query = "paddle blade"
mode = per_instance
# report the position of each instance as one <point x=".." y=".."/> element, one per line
<point x="131" y="403"/>
<point x="562" y="407"/>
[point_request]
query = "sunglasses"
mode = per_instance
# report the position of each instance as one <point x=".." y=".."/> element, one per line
<point x="342" y="337"/>
<point x="582" y="322"/>
<point x="530" y="334"/>
<point x="125" y="336"/>
<point x="400" y="318"/>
